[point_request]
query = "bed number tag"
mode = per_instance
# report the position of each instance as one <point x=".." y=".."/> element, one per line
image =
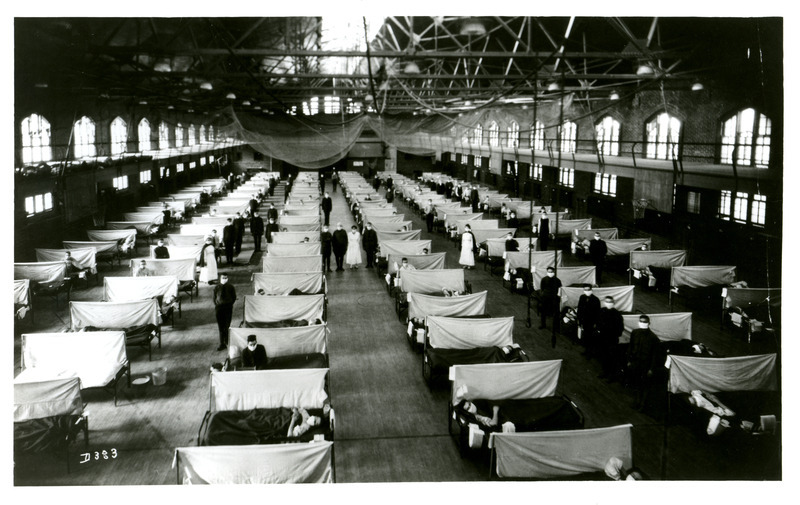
<point x="100" y="455"/>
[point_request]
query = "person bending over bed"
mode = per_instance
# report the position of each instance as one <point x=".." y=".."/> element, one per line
<point x="254" y="355"/>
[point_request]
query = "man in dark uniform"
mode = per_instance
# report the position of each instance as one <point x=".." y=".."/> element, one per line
<point x="224" y="298"/>
<point x="257" y="229"/>
<point x="644" y="360"/>
<point x="273" y="181"/>
<point x="430" y="213"/>
<point x="272" y="212"/>
<point x="327" y="206"/>
<point x="229" y="240"/>
<point x="325" y="238"/>
<point x="161" y="252"/>
<point x="609" y="329"/>
<point x="376" y="182"/>
<point x="597" y="251"/>
<point x="544" y="229"/>
<point x="321" y="183"/>
<point x="389" y="184"/>
<point x="339" y="245"/>
<point x="588" y="311"/>
<point x="272" y="227"/>
<point x="253" y="203"/>
<point x="334" y="180"/>
<point x="548" y="295"/>
<point x="474" y="198"/>
<point x="254" y="354"/>
<point x="511" y="244"/>
<point x="369" y="240"/>
<point x="238" y="227"/>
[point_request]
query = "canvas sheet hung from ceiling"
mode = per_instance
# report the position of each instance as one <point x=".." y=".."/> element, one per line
<point x="308" y="228"/>
<point x="433" y="261"/>
<point x="281" y="341"/>
<point x="218" y="221"/>
<point x="452" y="218"/>
<point x="432" y="281"/>
<point x="304" y="211"/>
<point x="567" y="275"/>
<point x="151" y="217"/>
<point x="667" y="327"/>
<point x="184" y="269"/>
<point x="179" y="251"/>
<point x="400" y="218"/>
<point x="745" y="297"/>
<point x="293" y="237"/>
<point x="143" y="227"/>
<point x="110" y="246"/>
<point x="93" y="356"/>
<point x="538" y="259"/>
<point x="404" y="247"/>
<point x="588" y="234"/>
<point x="625" y="245"/>
<point x="368" y="212"/>
<point x="269" y="309"/>
<point x="443" y="209"/>
<point x="496" y="247"/>
<point x="129" y="289"/>
<point x="108" y="235"/>
<point x="45" y="272"/>
<point x="569" y="226"/>
<point x="284" y="282"/>
<point x="256" y="464"/>
<point x="398" y="235"/>
<point x="714" y="375"/>
<point x="200" y="229"/>
<point x="375" y="203"/>
<point x="22" y="292"/>
<point x="116" y="315"/>
<point x="457" y="333"/>
<point x="421" y="306"/>
<point x="506" y="381"/>
<point x="477" y="224"/>
<point x="82" y="258"/>
<point x="268" y="389"/>
<point x="277" y="264"/>
<point x="556" y="454"/>
<point x="388" y="226"/>
<point x="482" y="235"/>
<point x="58" y="397"/>
<point x="185" y="240"/>
<point x="623" y="296"/>
<point x="702" y="276"/>
<point x="300" y="249"/>
<point x="663" y="259"/>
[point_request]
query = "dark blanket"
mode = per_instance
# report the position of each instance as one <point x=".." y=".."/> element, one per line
<point x="256" y="426"/>
<point x="311" y="360"/>
<point x="538" y="414"/>
<point x="47" y="434"/>
<point x="445" y="358"/>
<point x="286" y="323"/>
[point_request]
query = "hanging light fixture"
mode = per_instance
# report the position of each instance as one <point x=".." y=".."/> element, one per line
<point x="206" y="85"/>
<point x="257" y="107"/>
<point x="698" y="86"/>
<point x="170" y="107"/>
<point x="246" y="103"/>
<point x="473" y="27"/>
<point x="554" y="86"/>
<point x="613" y="96"/>
<point x="411" y="68"/>
<point x="230" y="96"/>
<point x="644" y="69"/>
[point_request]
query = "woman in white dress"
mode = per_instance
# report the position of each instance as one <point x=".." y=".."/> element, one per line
<point x="353" y="255"/>
<point x="468" y="248"/>
<point x="208" y="262"/>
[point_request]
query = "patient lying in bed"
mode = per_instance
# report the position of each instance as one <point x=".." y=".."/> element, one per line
<point x="265" y="425"/>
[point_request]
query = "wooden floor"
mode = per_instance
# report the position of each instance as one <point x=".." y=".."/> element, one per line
<point x="390" y="426"/>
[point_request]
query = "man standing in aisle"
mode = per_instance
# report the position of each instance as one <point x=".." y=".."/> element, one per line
<point x="257" y="228"/>
<point x="327" y="206"/>
<point x="339" y="244"/>
<point x="272" y="227"/>
<point x="238" y="227"/>
<point x="272" y="212"/>
<point x="644" y="359"/>
<point x="429" y="215"/>
<point x="609" y="329"/>
<point x="229" y="240"/>
<point x="548" y="295"/>
<point x="325" y="240"/>
<point x="370" y="241"/>
<point x="597" y="251"/>
<point x="321" y="183"/>
<point x="588" y="312"/>
<point x="224" y="298"/>
<point x="474" y="198"/>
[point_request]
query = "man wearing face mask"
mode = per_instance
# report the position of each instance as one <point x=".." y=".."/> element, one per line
<point x="224" y="298"/>
<point x="511" y="244"/>
<point x="339" y="245"/>
<point x="325" y="240"/>
<point x="644" y="359"/>
<point x="588" y="311"/>
<point x="254" y="355"/>
<point x="597" y="251"/>
<point x="327" y="206"/>
<point x="369" y="239"/>
<point x="609" y="329"/>
<point x="548" y="294"/>
<point x="429" y="214"/>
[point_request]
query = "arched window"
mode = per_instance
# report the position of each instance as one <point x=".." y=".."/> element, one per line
<point x="163" y="135"/>
<point x="36" y="139"/>
<point x="119" y="136"/>
<point x="211" y="135"/>
<point x="178" y="135"/>
<point x="83" y="133"/>
<point x="513" y="134"/>
<point x="663" y="134"/>
<point x="477" y="136"/>
<point x="569" y="135"/>
<point x="203" y="139"/>
<point x="607" y="131"/>
<point x="494" y="135"/>
<point x="537" y="136"/>
<point x="747" y="133"/>
<point x="192" y="135"/>
<point x="144" y="135"/>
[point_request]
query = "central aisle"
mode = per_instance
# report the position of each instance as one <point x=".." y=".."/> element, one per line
<point x="389" y="426"/>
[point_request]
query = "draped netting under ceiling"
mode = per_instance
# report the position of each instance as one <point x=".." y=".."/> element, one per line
<point x="321" y="142"/>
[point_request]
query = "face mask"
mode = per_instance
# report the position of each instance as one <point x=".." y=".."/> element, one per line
<point x="587" y="293"/>
<point x="251" y="345"/>
<point x="551" y="274"/>
<point x="644" y="326"/>
<point x="223" y="281"/>
<point x="609" y="305"/>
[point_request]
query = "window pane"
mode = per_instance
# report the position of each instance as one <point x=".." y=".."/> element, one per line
<point x="29" y="208"/>
<point x="758" y="211"/>
<point x="740" y="207"/>
<point x="38" y="203"/>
